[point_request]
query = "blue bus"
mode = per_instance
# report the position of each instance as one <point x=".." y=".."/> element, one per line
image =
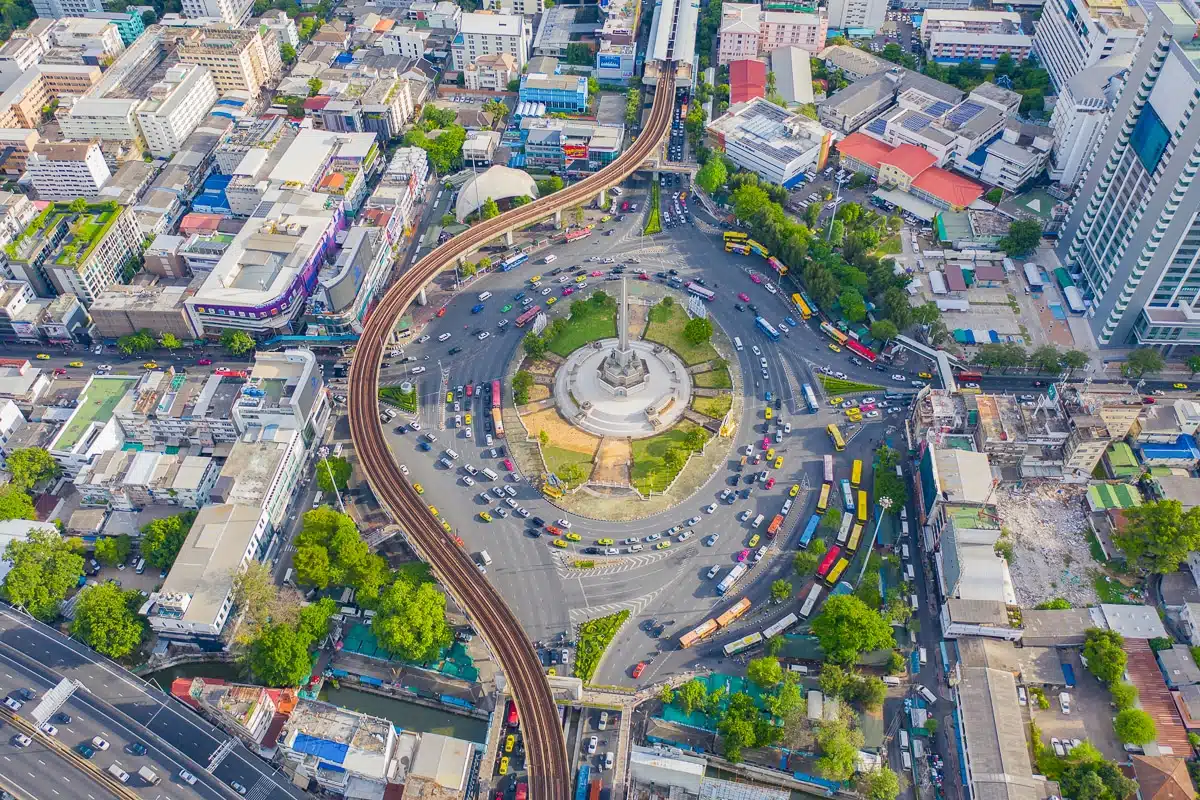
<point x="809" y="530"/>
<point x="767" y="328"/>
<point x="810" y="399"/>
<point x="808" y="301"/>
<point x="513" y="261"/>
<point x="894" y="395"/>
<point x="847" y="495"/>
<point x="581" y="782"/>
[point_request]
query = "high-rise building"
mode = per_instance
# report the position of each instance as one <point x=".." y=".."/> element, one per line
<point x="66" y="170"/>
<point x="1084" y="107"/>
<point x="748" y="31"/>
<point x="1134" y="234"/>
<point x="1074" y="34"/>
<point x="57" y="9"/>
<point x="857" y="14"/>
<point x="240" y="60"/>
<point x="482" y="34"/>
<point x="175" y="107"/>
<point x="235" y="12"/>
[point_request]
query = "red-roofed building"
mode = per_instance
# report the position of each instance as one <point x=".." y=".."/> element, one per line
<point x="910" y="169"/>
<point x="747" y="80"/>
<point x="1154" y="697"/>
<point x="1163" y="778"/>
<point x="199" y="223"/>
<point x="316" y="103"/>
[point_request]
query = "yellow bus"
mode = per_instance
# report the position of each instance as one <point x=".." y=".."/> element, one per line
<point x="855" y="538"/>
<point x="861" y="508"/>
<point x="856" y="473"/>
<point x="802" y="306"/>
<point x="823" y="501"/>
<point x="836" y="572"/>
<point x="736" y="236"/>
<point x="839" y="443"/>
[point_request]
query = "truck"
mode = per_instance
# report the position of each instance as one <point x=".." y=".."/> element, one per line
<point x="149" y="776"/>
<point x="115" y="770"/>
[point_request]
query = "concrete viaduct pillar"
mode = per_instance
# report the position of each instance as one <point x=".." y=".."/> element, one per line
<point x="601" y="199"/>
<point x="558" y="218"/>
<point x="508" y="238"/>
<point x="422" y="300"/>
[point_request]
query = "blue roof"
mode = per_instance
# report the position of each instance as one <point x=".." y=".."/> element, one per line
<point x="877" y="126"/>
<point x="322" y="748"/>
<point x="1184" y="447"/>
<point x="938" y="108"/>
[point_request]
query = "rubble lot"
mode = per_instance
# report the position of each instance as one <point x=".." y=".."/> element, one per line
<point x="1048" y="529"/>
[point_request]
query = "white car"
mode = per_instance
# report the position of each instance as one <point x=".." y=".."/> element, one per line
<point x="488" y="440"/>
<point x="546" y="291"/>
<point x="693" y="521"/>
<point x="594" y="743"/>
<point x="762" y="362"/>
<point x="868" y="400"/>
<point x="754" y="349"/>
<point x="745" y="515"/>
<point x="187" y="777"/>
<point x="49" y="729"/>
<point x="423" y="339"/>
<point x="683" y="537"/>
<point x="710" y="508"/>
<point x="771" y="288"/>
<point x="899" y="378"/>
<point x="871" y="414"/>
<point x="443" y="337"/>
<point x="521" y="512"/>
<point x="510" y="502"/>
<point x="417" y="370"/>
<point x="762" y="551"/>
<point x="782" y="328"/>
<point x="15" y="705"/>
<point x="630" y="540"/>
<point x="1058" y="748"/>
<point x="563" y="523"/>
<point x="105" y="367"/>
<point x="839" y="375"/>
<point x="99" y="744"/>
<point x="483" y="336"/>
<point x="468" y="480"/>
<point x="611" y="551"/>
<point x="21" y="740"/>
<point x="787" y="427"/>
<point x="712" y="573"/>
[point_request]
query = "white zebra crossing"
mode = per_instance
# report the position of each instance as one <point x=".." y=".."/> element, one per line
<point x="605" y="566"/>
<point x="635" y="606"/>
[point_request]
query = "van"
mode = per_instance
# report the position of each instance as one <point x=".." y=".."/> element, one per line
<point x="923" y="654"/>
<point x="317" y="501"/>
<point x="489" y="474"/>
<point x="141" y="566"/>
<point x="904" y="552"/>
<point x="287" y="577"/>
<point x="912" y="601"/>
<point x="484" y="296"/>
<point x="443" y="337"/>
<point x="484" y="558"/>
<point x="891" y="680"/>
<point x="453" y="456"/>
<point x="800" y="668"/>
<point x="906" y="759"/>
<point x="928" y="695"/>
<point x="616" y="190"/>
<point x="757" y="521"/>
<point x="149" y="776"/>
<point x="550" y="259"/>
<point x="903" y="740"/>
<point x="118" y="773"/>
<point x="737" y="343"/>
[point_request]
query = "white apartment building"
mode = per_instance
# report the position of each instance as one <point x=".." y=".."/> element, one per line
<point x="112" y="119"/>
<point x="57" y="9"/>
<point x="175" y="107"/>
<point x="747" y="31"/>
<point x="482" y="34"/>
<point x="233" y="12"/>
<point x="773" y="142"/>
<point x="96" y="37"/>
<point x="284" y="27"/>
<point x="16" y="212"/>
<point x="240" y="60"/>
<point x="524" y="7"/>
<point x="968" y="21"/>
<point x="20" y="53"/>
<point x="491" y="73"/>
<point x="284" y="390"/>
<point x="105" y="261"/>
<point x="857" y="14"/>
<point x="66" y="170"/>
<point x="404" y="40"/>
<point x="1080" y="117"/>
<point x="1074" y="34"/>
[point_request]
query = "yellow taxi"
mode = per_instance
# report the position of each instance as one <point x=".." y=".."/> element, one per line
<point x="43" y="357"/>
<point x="551" y="672"/>
<point x="779" y="463"/>
<point x="795" y="490"/>
<point x="504" y="766"/>
<point x="551" y="301"/>
<point x="834" y="348"/>
<point x="924" y="375"/>
<point x="662" y="546"/>
<point x="854" y="415"/>
<point x="420" y="489"/>
<point x="75" y="364"/>
<point x="446" y="526"/>
<point x="572" y="537"/>
<point x="580" y="278"/>
<point x="606" y="218"/>
<point x="771" y="454"/>
<point x="467" y="418"/>
<point x="1179" y="386"/>
<point x="559" y="543"/>
<point x="535" y="279"/>
<point x="485" y="516"/>
<point x="510" y="742"/>
<point x="449" y="397"/>
<point x="150" y="365"/>
<point x="768" y="413"/>
<point x="433" y="510"/>
<point x="836" y="401"/>
<point x="753" y="541"/>
<point x="605" y="542"/>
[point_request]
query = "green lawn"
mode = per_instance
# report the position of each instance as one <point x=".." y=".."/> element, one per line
<point x="839" y="386"/>
<point x="654" y="214"/>
<point x="888" y="246"/>
<point x="666" y="327"/>
<point x="713" y="379"/>
<point x="600" y="325"/>
<point x="715" y="407"/>
<point x="1111" y="590"/>
<point x="650" y="470"/>
<point x="557" y="458"/>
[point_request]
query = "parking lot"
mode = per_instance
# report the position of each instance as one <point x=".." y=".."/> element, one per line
<point x="1090" y="717"/>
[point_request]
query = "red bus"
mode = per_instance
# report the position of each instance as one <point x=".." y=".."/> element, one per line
<point x="528" y="316"/>
<point x="775" y="525"/>
<point x="522" y="791"/>
<point x="866" y="353"/>
<point x="972" y="377"/>
<point x="495" y="394"/>
<point x="512" y="720"/>
<point x="828" y="561"/>
<point x="777" y="265"/>
<point x="580" y="233"/>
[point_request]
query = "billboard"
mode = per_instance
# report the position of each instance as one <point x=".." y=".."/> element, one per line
<point x="575" y="150"/>
<point x="608" y="61"/>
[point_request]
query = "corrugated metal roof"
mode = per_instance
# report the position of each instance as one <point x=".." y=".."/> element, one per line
<point x="1154" y="697"/>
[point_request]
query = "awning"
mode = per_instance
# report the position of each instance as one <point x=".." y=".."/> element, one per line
<point x="913" y="205"/>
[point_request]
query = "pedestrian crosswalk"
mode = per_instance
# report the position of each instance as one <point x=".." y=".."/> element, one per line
<point x="612" y="565"/>
<point x="635" y="606"/>
<point x="260" y="790"/>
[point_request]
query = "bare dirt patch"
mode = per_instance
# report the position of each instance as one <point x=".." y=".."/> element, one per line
<point x="612" y="462"/>
<point x="638" y="317"/>
<point x="538" y="393"/>
<point x="541" y="367"/>
<point x="1051" y="557"/>
<point x="561" y="433"/>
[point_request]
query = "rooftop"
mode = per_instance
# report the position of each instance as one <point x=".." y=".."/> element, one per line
<point x="202" y="576"/>
<point x="995" y="737"/>
<point x="1134" y="622"/>
<point x="253" y="461"/>
<point x="770" y="131"/>
<point x="96" y="405"/>
<point x="963" y="476"/>
<point x="355" y="742"/>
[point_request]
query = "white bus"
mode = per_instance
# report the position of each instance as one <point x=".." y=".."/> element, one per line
<point x="781" y="626"/>
<point x="847" y="524"/>
<point x="813" y="595"/>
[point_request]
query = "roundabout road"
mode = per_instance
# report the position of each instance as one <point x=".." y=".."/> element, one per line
<point x="545" y="592"/>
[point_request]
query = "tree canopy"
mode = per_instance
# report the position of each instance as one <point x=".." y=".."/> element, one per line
<point x="411" y="620"/>
<point x="879" y="784"/>
<point x="1134" y="726"/>
<point x="15" y="504"/>
<point x="136" y="343"/>
<point x="766" y="671"/>
<point x="30" y="466"/>
<point x="44" y="568"/>
<point x="336" y="466"/>
<point x="329" y="552"/>
<point x="162" y="539"/>
<point x="1023" y="237"/>
<point x="237" y="342"/>
<point x="839" y="745"/>
<point x="106" y="620"/>
<point x="113" y="550"/>
<point x="1158" y="535"/>
<point x="1142" y="361"/>
<point x="1104" y="653"/>
<point x="698" y="330"/>
<point x="846" y="627"/>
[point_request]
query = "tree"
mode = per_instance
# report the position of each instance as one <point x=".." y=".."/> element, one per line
<point x="749" y="199"/>
<point x="859" y="179"/>
<point x="411" y="620"/>
<point x="1094" y="778"/>
<point x="259" y="600"/>
<point x="15" y="504"/>
<point x="29" y="466"/>
<point x="1142" y="361"/>
<point x="1159" y="535"/>
<point x="676" y="458"/>
<point x="867" y="690"/>
<point x="931" y="725"/>
<point x="766" y="671"/>
<point x="879" y="784"/>
<point x="485" y="263"/>
<point x="833" y="680"/>
<point x="853" y="307"/>
<point x="691" y="696"/>
<point x="135" y="343"/>
<point x="105" y="620"/>
<point x="279" y="656"/>
<point x="314" y="87"/>
<point x="1124" y="695"/>
<point x="884" y="330"/>
<point x="1105" y="657"/>
<point x="805" y="562"/>
<point x="579" y="54"/>
<point x="839" y="750"/>
<point x="1023" y="237"/>
<point x="1046" y="359"/>
<point x="170" y="341"/>
<point x="1193" y="365"/>
<point x="847" y="627"/>
<point x="78" y="206"/>
<point x="781" y="590"/>
<point x="489" y="209"/>
<point x="162" y="539"/>
<point x="44" y="568"/>
<point x="237" y="342"/>
<point x="1075" y="359"/>
<point x="787" y="698"/>
<point x="287" y="53"/>
<point x="1134" y="726"/>
<point x="666" y="695"/>
<point x="1057" y="604"/>
<point x="994" y="195"/>
<point x="698" y="330"/>
<point x="113" y="550"/>
<point x="333" y="471"/>
<point x="712" y="175"/>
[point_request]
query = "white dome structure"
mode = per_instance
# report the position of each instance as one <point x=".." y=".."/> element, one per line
<point x="498" y="183"/>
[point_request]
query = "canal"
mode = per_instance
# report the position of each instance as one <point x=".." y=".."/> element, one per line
<point x="403" y="714"/>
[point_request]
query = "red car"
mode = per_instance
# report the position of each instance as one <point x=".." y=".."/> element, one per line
<point x="625" y="206"/>
<point x="742" y="556"/>
<point x="766" y="443"/>
<point x="637" y="671"/>
<point x="1148" y="401"/>
<point x="597" y="273"/>
<point x="59" y="371"/>
<point x="508" y="465"/>
<point x="770" y="483"/>
<point x="568" y="290"/>
<point x="511" y="717"/>
<point x="867" y="407"/>
<point x="553" y="530"/>
<point x="441" y="312"/>
<point x="756" y="278"/>
<point x="470" y="390"/>
<point x="745" y="298"/>
<point x="203" y="362"/>
<point x="645" y="276"/>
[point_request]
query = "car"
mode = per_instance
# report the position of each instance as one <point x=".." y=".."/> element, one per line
<point x="754" y="349"/>
<point x="187" y="777"/>
<point x="899" y="378"/>
<point x="605" y="541"/>
<point x="787" y="427"/>
<point x="551" y="301"/>
<point x="873" y="414"/>
<point x="483" y="336"/>
<point x="485" y="516"/>
<point x="639" y="669"/>
<point x="791" y="321"/>
<point x="12" y="703"/>
<point x="99" y="744"/>
<point x="745" y="298"/>
<point x="104" y="367"/>
<point x="203" y="362"/>
<point x="84" y="750"/>
<point x="43" y="357"/>
<point x="593" y="745"/>
<point x="136" y="748"/>
<point x="742" y="556"/>
<point x="795" y="490"/>
<point x="49" y="729"/>
<point x="1064" y="702"/>
<point x="507" y="307"/>
<point x="21" y="740"/>
<point x="662" y="546"/>
<point x="1179" y="386"/>
<point x="559" y="543"/>
<point x="1022" y="697"/>
<point x="237" y="787"/>
<point x="710" y="508"/>
<point x="572" y="537"/>
<point x="758" y="555"/>
<point x="150" y="365"/>
<point x="683" y="537"/>
<point x="754" y="540"/>
<point x="75" y="364"/>
<point x="693" y="521"/>
<point x="924" y="375"/>
<point x="770" y="483"/>
<point x="654" y="537"/>
<point x="1058" y="748"/>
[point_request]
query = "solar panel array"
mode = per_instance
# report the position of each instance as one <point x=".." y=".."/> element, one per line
<point x="877" y="126"/>
<point x="914" y="122"/>
<point x="964" y="113"/>
<point x="938" y="108"/>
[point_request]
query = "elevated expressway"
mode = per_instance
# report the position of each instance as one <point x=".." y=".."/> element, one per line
<point x="549" y="767"/>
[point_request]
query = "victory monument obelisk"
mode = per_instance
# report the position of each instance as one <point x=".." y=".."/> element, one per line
<point x="623" y="372"/>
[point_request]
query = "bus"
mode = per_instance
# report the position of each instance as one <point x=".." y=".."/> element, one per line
<point x="729" y="580"/>
<point x="855" y="538"/>
<point x="802" y="307"/>
<point x="823" y="500"/>
<point x="828" y="468"/>
<point x="579" y="233"/>
<point x="739" y="608"/>
<point x="862" y="506"/>
<point x="701" y="631"/>
<point x="865" y="353"/>
<point x="528" y="316"/>
<point x="767" y="328"/>
<point x="810" y="398"/>
<point x="965" y="375"/>
<point x="757" y="248"/>
<point x="735" y="236"/>
<point x="495" y="394"/>
<point x="836" y="572"/>
<point x="777" y="265"/>
<point x="742" y="644"/>
<point x="844" y="531"/>
<point x="833" y="333"/>
<point x="828" y="561"/>
<point x="775" y="525"/>
<point x="513" y="261"/>
<point x="497" y="423"/>
<point x="839" y="444"/>
<point x="847" y="495"/>
<point x="735" y="247"/>
<point x="809" y="531"/>
<point x="809" y="602"/>
<point x="856" y="473"/>
<point x="780" y="627"/>
<point x="808" y="302"/>
<point x="896" y="396"/>
<point x="706" y="295"/>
